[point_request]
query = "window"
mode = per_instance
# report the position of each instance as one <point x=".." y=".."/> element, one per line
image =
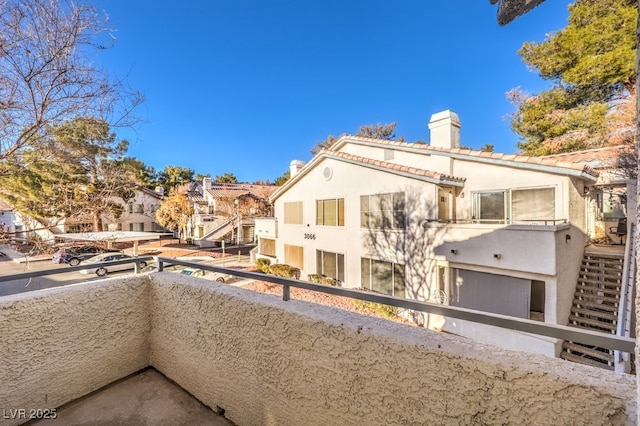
<point x="490" y="207"/>
<point x="156" y="227"/>
<point x="612" y="203"/>
<point x="293" y="256"/>
<point x="330" y="264"/>
<point x="530" y="205"/>
<point x="383" y="277"/>
<point x="200" y="231"/>
<point x="138" y="227"/>
<point x="267" y="247"/>
<point x="330" y="212"/>
<point x="385" y="211"/>
<point x="293" y="213"/>
<point x="79" y="227"/>
<point x="526" y="205"/>
<point x="114" y="227"/>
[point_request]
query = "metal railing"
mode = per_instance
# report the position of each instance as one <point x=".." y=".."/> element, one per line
<point x="625" y="308"/>
<point x="137" y="261"/>
<point x="625" y="344"/>
<point x="529" y="222"/>
<point x="594" y="338"/>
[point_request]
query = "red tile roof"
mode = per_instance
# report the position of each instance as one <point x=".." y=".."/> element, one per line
<point x="471" y="154"/>
<point x="396" y="167"/>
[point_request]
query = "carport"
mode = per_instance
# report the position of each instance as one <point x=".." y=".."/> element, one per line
<point x="114" y="237"/>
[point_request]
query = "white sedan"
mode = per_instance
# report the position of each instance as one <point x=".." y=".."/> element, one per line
<point x="207" y="275"/>
<point x="96" y="264"/>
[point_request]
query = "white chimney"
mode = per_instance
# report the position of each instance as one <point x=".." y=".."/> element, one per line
<point x="294" y="167"/>
<point x="206" y="183"/>
<point x="445" y="130"/>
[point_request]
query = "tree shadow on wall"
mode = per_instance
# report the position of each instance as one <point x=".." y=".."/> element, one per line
<point x="397" y="229"/>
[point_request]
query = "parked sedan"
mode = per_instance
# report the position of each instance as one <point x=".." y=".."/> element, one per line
<point x="74" y="255"/>
<point x="207" y="275"/>
<point x="96" y="264"/>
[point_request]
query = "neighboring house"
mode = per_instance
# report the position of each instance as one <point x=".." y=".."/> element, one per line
<point x="139" y="215"/>
<point x="479" y="230"/>
<point x="7" y="219"/>
<point x="226" y="211"/>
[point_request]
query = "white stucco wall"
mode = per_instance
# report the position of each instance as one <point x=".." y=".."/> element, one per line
<point x="269" y="362"/>
<point x="59" y="344"/>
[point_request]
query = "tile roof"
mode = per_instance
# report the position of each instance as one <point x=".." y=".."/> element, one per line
<point x="477" y="155"/>
<point x="234" y="190"/>
<point x="4" y="206"/>
<point x="596" y="157"/>
<point x="394" y="167"/>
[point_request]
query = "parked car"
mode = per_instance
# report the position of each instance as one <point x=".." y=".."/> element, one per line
<point x="76" y="254"/>
<point x="96" y="264"/>
<point x="207" y="275"/>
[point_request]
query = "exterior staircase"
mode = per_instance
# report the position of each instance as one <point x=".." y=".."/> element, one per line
<point x="596" y="306"/>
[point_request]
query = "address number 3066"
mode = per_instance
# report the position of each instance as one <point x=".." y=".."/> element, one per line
<point x="309" y="236"/>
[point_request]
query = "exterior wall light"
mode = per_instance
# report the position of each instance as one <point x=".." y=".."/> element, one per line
<point x="454" y="251"/>
<point x="497" y="256"/>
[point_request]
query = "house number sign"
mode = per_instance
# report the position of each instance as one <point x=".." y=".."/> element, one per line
<point x="309" y="236"/>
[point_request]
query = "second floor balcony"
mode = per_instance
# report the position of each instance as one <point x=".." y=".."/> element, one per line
<point x="268" y="361"/>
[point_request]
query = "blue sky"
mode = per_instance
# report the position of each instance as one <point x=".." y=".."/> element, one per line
<point x="246" y="86"/>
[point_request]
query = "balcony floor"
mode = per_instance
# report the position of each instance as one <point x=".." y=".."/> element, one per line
<point x="146" y="398"/>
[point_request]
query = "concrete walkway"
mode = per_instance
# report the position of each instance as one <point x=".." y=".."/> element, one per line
<point x="147" y="398"/>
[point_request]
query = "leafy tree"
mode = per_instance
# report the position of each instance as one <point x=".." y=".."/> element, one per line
<point x="173" y="176"/>
<point x="200" y="177"/>
<point x="227" y="178"/>
<point x="591" y="64"/>
<point x="47" y="71"/>
<point x="325" y="144"/>
<point x="139" y="172"/>
<point x="376" y="131"/>
<point x="487" y="147"/>
<point x="379" y="131"/>
<point x="175" y="210"/>
<point x="72" y="172"/>
<point x="283" y="179"/>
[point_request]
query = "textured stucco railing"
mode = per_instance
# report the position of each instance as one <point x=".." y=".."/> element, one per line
<point x="266" y="361"/>
<point x="60" y="344"/>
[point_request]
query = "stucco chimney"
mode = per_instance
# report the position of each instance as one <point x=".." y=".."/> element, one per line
<point x="445" y="130"/>
<point x="294" y="167"/>
<point x="206" y="183"/>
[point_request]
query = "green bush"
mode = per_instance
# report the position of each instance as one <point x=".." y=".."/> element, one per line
<point x="386" y="311"/>
<point x="263" y="265"/>
<point x="285" y="271"/>
<point x="321" y="279"/>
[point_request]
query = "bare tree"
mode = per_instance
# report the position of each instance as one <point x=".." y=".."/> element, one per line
<point x="48" y="74"/>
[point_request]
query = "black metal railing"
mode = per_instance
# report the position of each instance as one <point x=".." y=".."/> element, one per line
<point x="594" y="338"/>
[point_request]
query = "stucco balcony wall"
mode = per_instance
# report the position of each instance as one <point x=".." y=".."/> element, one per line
<point x="517" y="245"/>
<point x="60" y="344"/>
<point x="266" y="227"/>
<point x="270" y="362"/>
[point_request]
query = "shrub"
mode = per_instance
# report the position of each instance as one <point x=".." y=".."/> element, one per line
<point x="386" y="311"/>
<point x="285" y="271"/>
<point x="321" y="279"/>
<point x="263" y="265"/>
<point x="314" y="278"/>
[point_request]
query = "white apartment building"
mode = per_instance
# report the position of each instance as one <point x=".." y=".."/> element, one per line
<point x="480" y="230"/>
